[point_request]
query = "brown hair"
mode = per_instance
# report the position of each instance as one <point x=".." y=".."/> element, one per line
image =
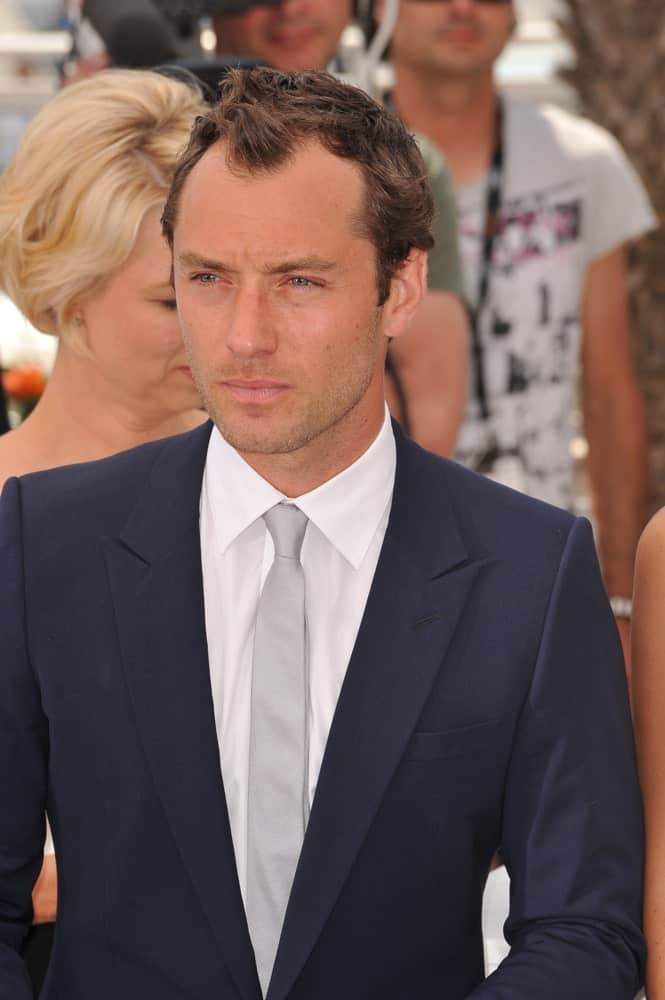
<point x="262" y="114"/>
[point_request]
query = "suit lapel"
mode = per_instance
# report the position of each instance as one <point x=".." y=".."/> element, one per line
<point x="156" y="582"/>
<point x="420" y="588"/>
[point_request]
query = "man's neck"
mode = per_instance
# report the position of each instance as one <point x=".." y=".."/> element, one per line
<point x="457" y="114"/>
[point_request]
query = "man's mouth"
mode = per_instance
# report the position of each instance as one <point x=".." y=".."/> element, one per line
<point x="255" y="390"/>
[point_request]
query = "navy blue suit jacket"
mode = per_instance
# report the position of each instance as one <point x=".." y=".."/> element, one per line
<point x="484" y="706"/>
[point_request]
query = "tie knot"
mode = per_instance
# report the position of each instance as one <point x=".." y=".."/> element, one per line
<point x="286" y="524"/>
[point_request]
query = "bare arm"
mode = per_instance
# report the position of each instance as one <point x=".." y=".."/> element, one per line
<point x="432" y="365"/>
<point x="648" y="688"/>
<point x="614" y="422"/>
<point x="45" y="892"/>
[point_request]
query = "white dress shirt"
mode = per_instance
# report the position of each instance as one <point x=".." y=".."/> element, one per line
<point x="348" y="516"/>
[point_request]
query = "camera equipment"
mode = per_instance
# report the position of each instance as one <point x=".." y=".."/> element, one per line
<point x="148" y="33"/>
<point x="144" y="33"/>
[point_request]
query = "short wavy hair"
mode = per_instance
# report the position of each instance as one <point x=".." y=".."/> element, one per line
<point x="262" y="115"/>
<point x="96" y="158"/>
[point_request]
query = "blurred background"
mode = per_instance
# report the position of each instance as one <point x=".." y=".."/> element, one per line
<point x="599" y="60"/>
<point x="602" y="61"/>
<point x="37" y="41"/>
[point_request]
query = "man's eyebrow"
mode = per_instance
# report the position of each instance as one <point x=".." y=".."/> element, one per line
<point x="311" y="263"/>
<point x="190" y="259"/>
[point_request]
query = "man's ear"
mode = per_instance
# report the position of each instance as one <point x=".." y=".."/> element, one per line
<point x="407" y="289"/>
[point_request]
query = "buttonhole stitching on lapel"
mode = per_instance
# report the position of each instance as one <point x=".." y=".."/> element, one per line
<point x="427" y="619"/>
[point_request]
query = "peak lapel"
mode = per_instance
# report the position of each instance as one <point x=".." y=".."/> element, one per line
<point x="420" y="588"/>
<point x="156" y="583"/>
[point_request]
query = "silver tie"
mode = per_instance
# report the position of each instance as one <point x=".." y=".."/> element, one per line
<point x="277" y="801"/>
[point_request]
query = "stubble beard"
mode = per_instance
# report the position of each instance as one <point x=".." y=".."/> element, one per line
<point x="322" y="417"/>
<point x="321" y="421"/>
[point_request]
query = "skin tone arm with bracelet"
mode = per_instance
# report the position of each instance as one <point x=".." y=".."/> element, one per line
<point x="444" y="55"/>
<point x="614" y="425"/>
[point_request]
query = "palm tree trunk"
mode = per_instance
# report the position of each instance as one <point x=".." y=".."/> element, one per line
<point x="619" y="79"/>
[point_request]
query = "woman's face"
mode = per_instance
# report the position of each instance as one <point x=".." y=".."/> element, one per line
<point x="130" y="328"/>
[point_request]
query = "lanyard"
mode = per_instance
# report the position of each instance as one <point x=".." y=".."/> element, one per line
<point x="492" y="220"/>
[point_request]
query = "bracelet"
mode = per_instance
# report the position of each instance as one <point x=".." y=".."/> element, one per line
<point x="622" y="607"/>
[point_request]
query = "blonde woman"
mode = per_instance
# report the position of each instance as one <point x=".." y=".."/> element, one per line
<point x="82" y="256"/>
<point x="648" y="691"/>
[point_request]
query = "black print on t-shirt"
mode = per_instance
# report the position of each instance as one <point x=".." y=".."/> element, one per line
<point x="535" y="228"/>
<point x="530" y="333"/>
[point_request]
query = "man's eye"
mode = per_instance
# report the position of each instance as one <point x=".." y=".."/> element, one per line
<point x="205" y="278"/>
<point x="299" y="282"/>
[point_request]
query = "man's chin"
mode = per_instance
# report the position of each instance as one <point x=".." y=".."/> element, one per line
<point x="251" y="443"/>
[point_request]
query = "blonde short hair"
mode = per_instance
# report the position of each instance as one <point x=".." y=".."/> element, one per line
<point x="97" y="157"/>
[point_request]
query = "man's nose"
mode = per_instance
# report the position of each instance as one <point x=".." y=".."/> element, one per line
<point x="250" y="330"/>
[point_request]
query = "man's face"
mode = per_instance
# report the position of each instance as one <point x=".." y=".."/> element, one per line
<point x="277" y="298"/>
<point x="457" y="38"/>
<point x="291" y="35"/>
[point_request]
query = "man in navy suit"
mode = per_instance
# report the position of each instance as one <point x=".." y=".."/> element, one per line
<point x="465" y="690"/>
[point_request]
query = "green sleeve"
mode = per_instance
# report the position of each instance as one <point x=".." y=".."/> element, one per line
<point x="444" y="264"/>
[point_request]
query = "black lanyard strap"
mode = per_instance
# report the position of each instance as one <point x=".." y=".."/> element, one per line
<point x="490" y="232"/>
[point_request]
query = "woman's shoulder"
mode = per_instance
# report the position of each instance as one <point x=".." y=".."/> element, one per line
<point x="649" y="590"/>
<point x="653" y="536"/>
<point x="10" y="457"/>
<point x="18" y="455"/>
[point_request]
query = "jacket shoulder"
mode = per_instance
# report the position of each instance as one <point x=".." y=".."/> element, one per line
<point x="100" y="494"/>
<point x="492" y="518"/>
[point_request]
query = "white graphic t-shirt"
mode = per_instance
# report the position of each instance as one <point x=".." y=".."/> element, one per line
<point x="569" y="197"/>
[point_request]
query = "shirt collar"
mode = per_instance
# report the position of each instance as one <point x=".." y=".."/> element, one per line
<point x="347" y="509"/>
